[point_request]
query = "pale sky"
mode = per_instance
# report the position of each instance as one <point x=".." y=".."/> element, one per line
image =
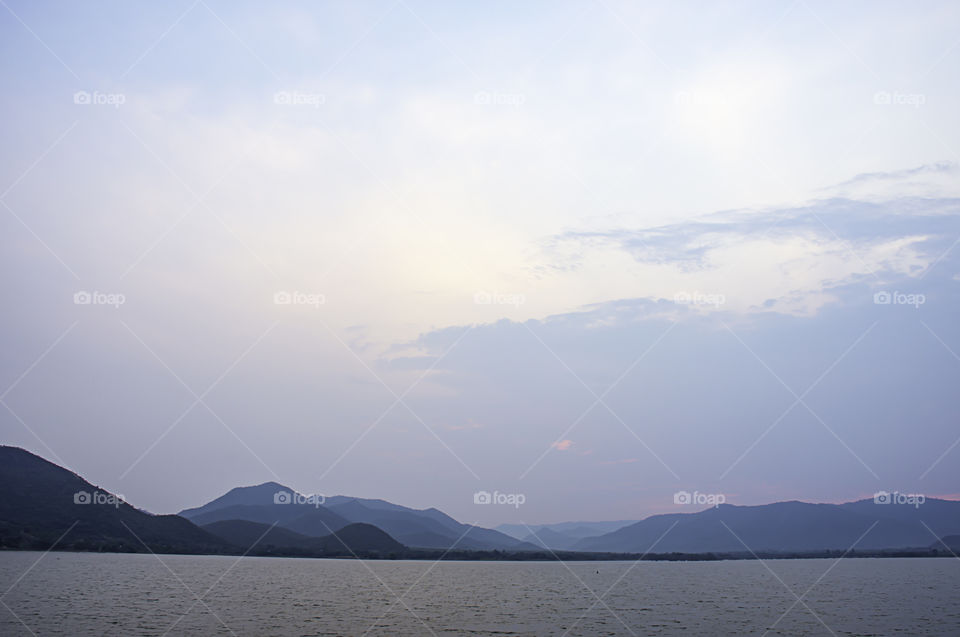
<point x="590" y="252"/>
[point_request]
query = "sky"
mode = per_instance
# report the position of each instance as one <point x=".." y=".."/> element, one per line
<point x="590" y="253"/>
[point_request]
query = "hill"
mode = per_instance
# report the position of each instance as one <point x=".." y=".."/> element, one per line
<point x="260" y="539"/>
<point x="252" y="536"/>
<point x="421" y="528"/>
<point x="42" y="505"/>
<point x="786" y="526"/>
<point x="949" y="542"/>
<point x="574" y="530"/>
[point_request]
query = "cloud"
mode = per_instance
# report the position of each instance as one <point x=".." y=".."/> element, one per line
<point x="937" y="179"/>
<point x="897" y="175"/>
<point x="690" y="393"/>
<point x="788" y="260"/>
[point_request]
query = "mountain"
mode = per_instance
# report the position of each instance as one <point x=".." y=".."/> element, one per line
<point x="550" y="539"/>
<point x="304" y="519"/>
<point x="560" y="536"/>
<point x="42" y="505"/>
<point x="264" y="538"/>
<point x="427" y="528"/>
<point x="420" y="528"/>
<point x="949" y="542"/>
<point x="244" y="535"/>
<point x="270" y="503"/>
<point x="571" y="530"/>
<point x="240" y="496"/>
<point x="786" y="526"/>
<point x="359" y="538"/>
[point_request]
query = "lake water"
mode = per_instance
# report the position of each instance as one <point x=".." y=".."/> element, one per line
<point x="90" y="594"/>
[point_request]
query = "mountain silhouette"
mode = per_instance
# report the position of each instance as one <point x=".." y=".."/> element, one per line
<point x="353" y="539"/>
<point x="421" y="528"/>
<point x="42" y="505"/>
<point x="949" y="543"/>
<point x="786" y="526"/>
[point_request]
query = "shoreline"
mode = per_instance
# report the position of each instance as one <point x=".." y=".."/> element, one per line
<point x="438" y="555"/>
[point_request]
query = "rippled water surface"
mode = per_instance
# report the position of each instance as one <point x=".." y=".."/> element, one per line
<point x="90" y="594"/>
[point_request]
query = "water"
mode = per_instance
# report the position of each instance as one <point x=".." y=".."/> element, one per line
<point x="90" y="594"/>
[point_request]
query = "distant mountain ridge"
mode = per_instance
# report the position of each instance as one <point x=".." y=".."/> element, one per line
<point x="561" y="535"/>
<point x="950" y="543"/>
<point x="350" y="540"/>
<point x="43" y="505"/>
<point x="422" y="528"/>
<point x="785" y="527"/>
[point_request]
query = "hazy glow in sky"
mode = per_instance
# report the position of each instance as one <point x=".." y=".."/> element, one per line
<point x="592" y="252"/>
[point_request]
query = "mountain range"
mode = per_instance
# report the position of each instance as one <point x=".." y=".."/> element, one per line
<point x="561" y="535"/>
<point x="43" y="505"/>
<point x="786" y="526"/>
<point x="273" y="503"/>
